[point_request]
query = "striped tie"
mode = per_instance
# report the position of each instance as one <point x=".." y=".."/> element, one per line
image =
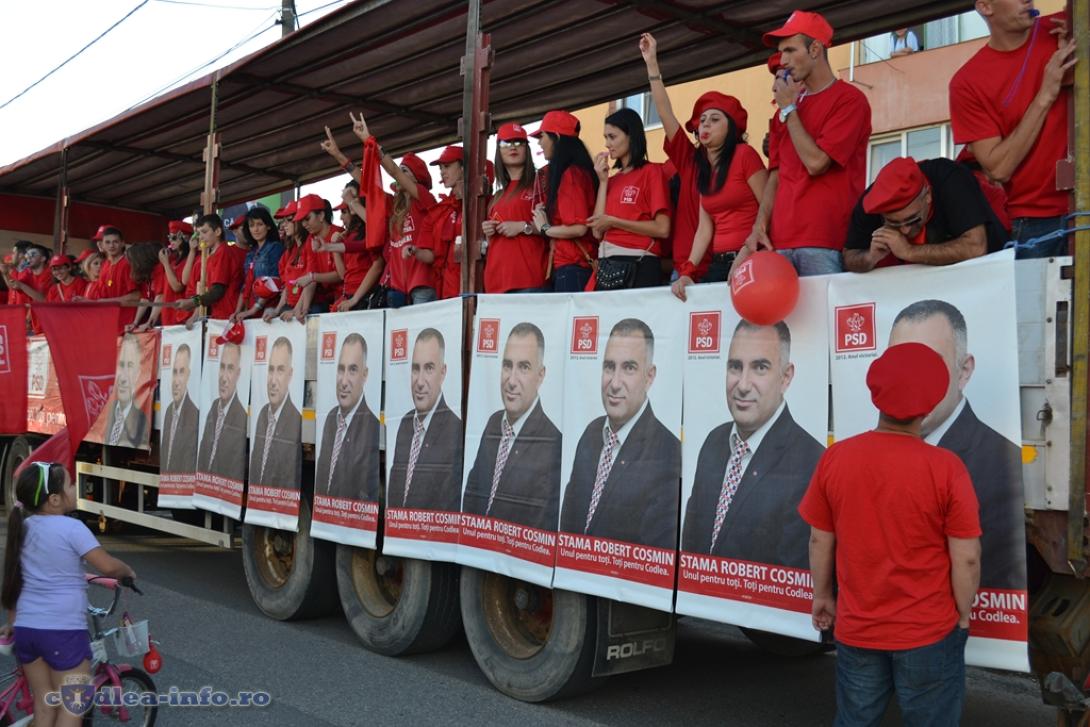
<point x="414" y="453"/>
<point x="605" y="464"/>
<point x="338" y="442"/>
<point x="501" y="460"/>
<point x="730" y="484"/>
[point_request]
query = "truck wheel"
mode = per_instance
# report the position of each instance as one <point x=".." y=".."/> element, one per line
<point x="397" y="605"/>
<point x="781" y="645"/>
<point x="532" y="643"/>
<point x="289" y="574"/>
<point x="17" y="451"/>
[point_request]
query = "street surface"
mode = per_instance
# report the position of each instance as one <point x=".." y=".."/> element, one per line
<point x="317" y="673"/>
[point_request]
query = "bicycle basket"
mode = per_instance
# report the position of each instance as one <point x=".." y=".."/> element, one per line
<point x="132" y="640"/>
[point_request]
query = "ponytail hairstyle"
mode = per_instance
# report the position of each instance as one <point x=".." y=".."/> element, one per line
<point x="710" y="180"/>
<point x="568" y="151"/>
<point x="32" y="488"/>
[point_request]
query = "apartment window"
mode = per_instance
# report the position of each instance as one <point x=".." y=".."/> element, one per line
<point x="936" y="34"/>
<point x="928" y="142"/>
<point x="643" y="105"/>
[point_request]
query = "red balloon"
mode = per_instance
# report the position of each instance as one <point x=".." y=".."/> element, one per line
<point x="764" y="288"/>
<point x="153" y="662"/>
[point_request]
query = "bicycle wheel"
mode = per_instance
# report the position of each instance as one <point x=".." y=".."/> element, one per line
<point x="133" y="681"/>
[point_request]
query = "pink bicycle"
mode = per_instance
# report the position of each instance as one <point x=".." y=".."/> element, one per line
<point x="124" y="679"/>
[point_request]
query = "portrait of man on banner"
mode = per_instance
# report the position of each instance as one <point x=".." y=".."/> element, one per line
<point x="277" y="456"/>
<point x="126" y="423"/>
<point x="178" y="438"/>
<point x="223" y="441"/>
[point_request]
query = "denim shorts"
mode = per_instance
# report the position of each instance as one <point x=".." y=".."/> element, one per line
<point x="62" y="649"/>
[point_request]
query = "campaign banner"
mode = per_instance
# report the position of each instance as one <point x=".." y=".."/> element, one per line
<point x="278" y="357"/>
<point x="974" y="328"/>
<point x="511" y="487"/>
<point x="179" y="392"/>
<point x="756" y="423"/>
<point x="125" y="421"/>
<point x="45" y="410"/>
<point x="13" y="369"/>
<point x="348" y="404"/>
<point x="621" y="462"/>
<point x="225" y="398"/>
<point x="424" y="416"/>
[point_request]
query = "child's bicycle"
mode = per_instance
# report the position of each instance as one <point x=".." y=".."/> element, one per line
<point x="123" y="679"/>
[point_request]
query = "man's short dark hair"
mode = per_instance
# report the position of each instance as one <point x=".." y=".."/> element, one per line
<point x="212" y="220"/>
<point x="355" y="339"/>
<point x="116" y="231"/>
<point x="921" y="310"/>
<point x="809" y="41"/>
<point x="529" y="329"/>
<point x="432" y="334"/>
<point x="782" y="332"/>
<point x="635" y="327"/>
<point x="282" y="342"/>
<point x="22" y="244"/>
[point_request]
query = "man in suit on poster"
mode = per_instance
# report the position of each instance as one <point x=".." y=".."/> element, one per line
<point x="516" y="476"/>
<point x="752" y="471"/>
<point x="348" y="461"/>
<point x="277" y="456"/>
<point x="178" y="439"/>
<point x="427" y="468"/>
<point x="127" y="425"/>
<point x="223" y="443"/>
<point x="993" y="461"/>
<point x="627" y="469"/>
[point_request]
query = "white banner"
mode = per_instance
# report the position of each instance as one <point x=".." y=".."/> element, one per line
<point x="756" y="422"/>
<point x="347" y="408"/>
<point x="179" y="390"/>
<point x="424" y="422"/>
<point x="278" y="361"/>
<point x="622" y="456"/>
<point x="225" y="398"/>
<point x="511" y="490"/>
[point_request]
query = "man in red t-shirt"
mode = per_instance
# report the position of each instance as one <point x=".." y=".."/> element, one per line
<point x="1009" y="104"/>
<point x="899" y="519"/>
<point x="115" y="283"/>
<point x="817" y="152"/>
<point x="222" y="273"/>
<point x="33" y="281"/>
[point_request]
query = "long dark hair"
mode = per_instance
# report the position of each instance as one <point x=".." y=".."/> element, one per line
<point x="32" y="488"/>
<point x="262" y="214"/>
<point x="526" y="181"/>
<point x="143" y="259"/>
<point x="568" y="151"/>
<point x="629" y="122"/>
<point x="704" y="172"/>
<point x="356" y="227"/>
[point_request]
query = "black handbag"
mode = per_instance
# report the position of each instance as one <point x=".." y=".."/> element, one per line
<point x="615" y="274"/>
<point x="374" y="299"/>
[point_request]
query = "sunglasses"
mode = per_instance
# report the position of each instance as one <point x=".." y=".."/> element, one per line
<point x="912" y="221"/>
<point x="513" y="143"/>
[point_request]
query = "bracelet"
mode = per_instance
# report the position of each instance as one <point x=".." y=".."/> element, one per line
<point x="348" y="165"/>
<point x="686" y="269"/>
<point x="656" y="77"/>
<point x="197" y="299"/>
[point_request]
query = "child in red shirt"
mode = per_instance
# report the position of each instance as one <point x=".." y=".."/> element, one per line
<point x="115" y="283"/>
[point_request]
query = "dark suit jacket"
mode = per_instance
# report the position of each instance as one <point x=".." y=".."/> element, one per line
<point x="284" y="468"/>
<point x="995" y="466"/>
<point x="529" y="487"/>
<point x="356" y="475"/>
<point x="133" y="430"/>
<point x="230" y="461"/>
<point x="763" y="522"/>
<point x="640" y="501"/>
<point x="437" y="477"/>
<point x="183" y="458"/>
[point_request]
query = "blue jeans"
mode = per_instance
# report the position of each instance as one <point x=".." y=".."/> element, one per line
<point x="423" y="294"/>
<point x="929" y="682"/>
<point x="396" y="299"/>
<point x="814" y="260"/>
<point x="1024" y="229"/>
<point x="570" y="279"/>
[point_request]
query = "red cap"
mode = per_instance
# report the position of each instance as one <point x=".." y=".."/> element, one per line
<point x="510" y="132"/>
<point x="729" y="105"/>
<point x="806" y="23"/>
<point x="101" y="232"/>
<point x="287" y="210"/>
<point x="232" y="334"/>
<point x="908" y="381"/>
<point x="558" y="122"/>
<point x="85" y="254"/>
<point x="341" y="207"/>
<point x="237" y="222"/>
<point x="418" y="168"/>
<point x="775" y="62"/>
<point x="307" y="204"/>
<point x="450" y="154"/>
<point x="58" y="260"/>
<point x="897" y="185"/>
<point x="9" y="259"/>
<point x="266" y="287"/>
<point x="175" y="226"/>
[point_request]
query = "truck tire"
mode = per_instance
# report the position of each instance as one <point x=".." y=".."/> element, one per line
<point x="18" y="449"/>
<point x="533" y="643"/>
<point x="781" y="645"/>
<point x="289" y="574"/>
<point x="397" y="605"/>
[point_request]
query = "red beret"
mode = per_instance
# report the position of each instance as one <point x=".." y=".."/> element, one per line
<point x="179" y="226"/>
<point x="450" y="154"/>
<point x="805" y="23"/>
<point x="510" y="132"/>
<point x="418" y="168"/>
<point x="897" y="185"/>
<point x="558" y="122"/>
<point x="729" y="105"/>
<point x="908" y="381"/>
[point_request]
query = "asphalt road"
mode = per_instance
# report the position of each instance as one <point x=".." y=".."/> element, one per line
<point x="318" y="674"/>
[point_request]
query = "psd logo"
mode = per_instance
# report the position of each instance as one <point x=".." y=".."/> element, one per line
<point x="399" y="345"/>
<point x="584" y="337"/>
<point x="261" y="349"/>
<point x="488" y="335"/>
<point x="629" y="194"/>
<point x="168" y="349"/>
<point x="5" y="360"/>
<point x="742" y="277"/>
<point x="96" y="392"/>
<point x="704" y="331"/>
<point x="213" y="348"/>
<point x="329" y="345"/>
<point x="855" y="328"/>
<point x="408" y="225"/>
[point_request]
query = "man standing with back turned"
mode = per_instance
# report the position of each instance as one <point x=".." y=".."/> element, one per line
<point x="899" y="516"/>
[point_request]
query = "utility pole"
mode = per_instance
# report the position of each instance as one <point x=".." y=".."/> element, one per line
<point x="287" y="17"/>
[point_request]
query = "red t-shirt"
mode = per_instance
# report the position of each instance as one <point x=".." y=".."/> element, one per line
<point x="990" y="94"/>
<point x="356" y="265"/>
<point x="446" y="226"/>
<point x="815" y="211"/>
<point x="892" y="500"/>
<point x="405" y="274"/>
<point x="514" y="263"/>
<point x="224" y="267"/>
<point x="682" y="153"/>
<point x="574" y="204"/>
<point x="293" y="265"/>
<point x="41" y="282"/>
<point x="638" y="196"/>
<point x="172" y="316"/>
<point x="322" y="262"/>
<point x="734" y="207"/>
<point x="114" y="281"/>
<point x="64" y="293"/>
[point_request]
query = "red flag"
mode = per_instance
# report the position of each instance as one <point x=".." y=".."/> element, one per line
<point x="374" y="197"/>
<point x="83" y="345"/>
<point x="57" y="448"/>
<point x="13" y="369"/>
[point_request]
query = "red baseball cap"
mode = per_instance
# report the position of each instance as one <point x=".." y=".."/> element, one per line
<point x="85" y="254"/>
<point x="234" y="333"/>
<point x="895" y="187"/>
<point x="558" y="122"/>
<point x="287" y="210"/>
<point x="58" y="260"/>
<point x="775" y="62"/>
<point x="237" y="222"/>
<point x="805" y="23"/>
<point x="266" y="287"/>
<point x="729" y="105"/>
<point x="418" y="168"/>
<point x="101" y="232"/>
<point x="175" y="226"/>
<point x="511" y="132"/>
<point x="307" y="204"/>
<point x="450" y="154"/>
<point x="908" y="381"/>
<point x="341" y="207"/>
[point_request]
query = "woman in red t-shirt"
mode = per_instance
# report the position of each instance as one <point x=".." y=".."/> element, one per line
<point x="517" y="255"/>
<point x="91" y="267"/>
<point x="632" y="212"/>
<point x="362" y="267"/>
<point x="562" y="209"/>
<point x="292" y="265"/>
<point x="446" y="224"/>
<point x="147" y="274"/>
<point x="67" y="286"/>
<point x="178" y="261"/>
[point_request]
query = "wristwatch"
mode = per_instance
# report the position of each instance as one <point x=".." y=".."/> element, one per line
<point x="527" y="229"/>
<point x="786" y="111"/>
<point x="545" y="229"/>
